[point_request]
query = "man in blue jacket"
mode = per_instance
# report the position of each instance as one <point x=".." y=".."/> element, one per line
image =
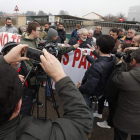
<point x="95" y="78"/>
<point x="75" y="31"/>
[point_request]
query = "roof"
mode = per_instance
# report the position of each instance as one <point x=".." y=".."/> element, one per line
<point x="70" y="17"/>
<point x="95" y="14"/>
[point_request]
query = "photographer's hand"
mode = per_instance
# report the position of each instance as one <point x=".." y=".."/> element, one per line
<point x="52" y="66"/>
<point x="15" y="54"/>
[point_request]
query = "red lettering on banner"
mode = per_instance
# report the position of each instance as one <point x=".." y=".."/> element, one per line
<point x="65" y="61"/>
<point x="14" y="37"/>
<point x="83" y="61"/>
<point x="1" y="39"/>
<point x="5" y="36"/>
<point x="18" y="38"/>
<point x="76" y="58"/>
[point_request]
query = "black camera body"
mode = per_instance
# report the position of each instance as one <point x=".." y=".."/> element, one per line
<point x="50" y="47"/>
<point x="126" y="56"/>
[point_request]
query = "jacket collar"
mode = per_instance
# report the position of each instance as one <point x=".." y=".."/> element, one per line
<point x="9" y="127"/>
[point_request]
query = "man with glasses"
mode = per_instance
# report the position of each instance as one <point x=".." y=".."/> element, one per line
<point x="31" y="37"/>
<point x="98" y="31"/>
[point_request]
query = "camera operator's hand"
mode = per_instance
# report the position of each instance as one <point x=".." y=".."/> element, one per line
<point x="21" y="77"/>
<point x="76" y="46"/>
<point x="52" y="66"/>
<point x="15" y="54"/>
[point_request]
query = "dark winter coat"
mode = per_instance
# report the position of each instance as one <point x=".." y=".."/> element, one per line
<point x="95" y="78"/>
<point x="62" y="35"/>
<point x="97" y="35"/>
<point x="74" y="40"/>
<point x="27" y="97"/>
<point x="74" y="33"/>
<point x="74" y="125"/>
<point x="127" y="115"/>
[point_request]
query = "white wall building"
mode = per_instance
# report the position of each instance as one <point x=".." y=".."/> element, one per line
<point x="134" y="13"/>
<point x="94" y="16"/>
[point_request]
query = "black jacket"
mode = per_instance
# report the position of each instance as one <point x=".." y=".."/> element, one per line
<point x="95" y="78"/>
<point x="74" y="125"/>
<point x="97" y="35"/>
<point x="74" y="40"/>
<point x="26" y="97"/>
<point x="62" y="35"/>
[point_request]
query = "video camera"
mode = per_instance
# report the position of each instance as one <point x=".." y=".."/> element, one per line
<point x="126" y="56"/>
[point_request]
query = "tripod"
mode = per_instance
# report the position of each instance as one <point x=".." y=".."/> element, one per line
<point x="42" y="78"/>
<point x="46" y="78"/>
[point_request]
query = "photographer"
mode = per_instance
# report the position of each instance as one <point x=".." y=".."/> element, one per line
<point x="21" y="69"/>
<point x="127" y="114"/>
<point x="52" y="38"/>
<point x="95" y="78"/>
<point x="76" y="122"/>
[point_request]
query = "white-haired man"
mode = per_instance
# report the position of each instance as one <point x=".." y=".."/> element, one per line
<point x="129" y="37"/>
<point x="81" y="39"/>
<point x="90" y="36"/>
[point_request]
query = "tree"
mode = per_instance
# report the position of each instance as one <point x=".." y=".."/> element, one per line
<point x="1" y="14"/>
<point x="41" y="13"/>
<point x="121" y="15"/>
<point x="30" y="13"/>
<point x="62" y="12"/>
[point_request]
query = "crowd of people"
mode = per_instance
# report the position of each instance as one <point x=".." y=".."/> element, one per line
<point x="113" y="76"/>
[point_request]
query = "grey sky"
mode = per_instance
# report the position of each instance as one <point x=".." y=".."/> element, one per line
<point x="73" y="7"/>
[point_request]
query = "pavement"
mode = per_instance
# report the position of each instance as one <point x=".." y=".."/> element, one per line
<point x="97" y="133"/>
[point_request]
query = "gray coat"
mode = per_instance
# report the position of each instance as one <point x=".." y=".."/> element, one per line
<point x="9" y="29"/>
<point x="127" y="115"/>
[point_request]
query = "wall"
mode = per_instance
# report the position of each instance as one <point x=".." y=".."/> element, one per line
<point x="21" y="20"/>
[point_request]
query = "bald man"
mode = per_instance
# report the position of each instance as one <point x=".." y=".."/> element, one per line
<point x="90" y="36"/>
<point x="136" y="40"/>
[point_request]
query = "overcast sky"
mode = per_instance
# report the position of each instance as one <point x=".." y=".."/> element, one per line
<point x="73" y="7"/>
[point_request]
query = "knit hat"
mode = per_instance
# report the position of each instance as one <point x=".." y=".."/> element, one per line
<point x="52" y="33"/>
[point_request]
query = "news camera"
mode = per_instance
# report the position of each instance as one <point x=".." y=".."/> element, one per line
<point x="126" y="56"/>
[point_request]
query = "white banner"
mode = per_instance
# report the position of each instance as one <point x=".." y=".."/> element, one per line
<point x="7" y="37"/>
<point x="75" y="65"/>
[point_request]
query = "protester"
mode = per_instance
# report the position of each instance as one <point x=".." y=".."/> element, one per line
<point x="90" y="36"/>
<point x="136" y="41"/>
<point x="31" y="37"/>
<point x="98" y="31"/>
<point x="9" y="27"/>
<point x="42" y="34"/>
<point x="46" y="26"/>
<point x="70" y="96"/>
<point x="81" y="39"/>
<point x="21" y="29"/>
<point x="114" y="33"/>
<point x="75" y="31"/>
<point x="126" y="119"/>
<point x="111" y="93"/>
<point x="120" y="35"/>
<point x="95" y="78"/>
<point x="130" y="34"/>
<point x="61" y="32"/>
